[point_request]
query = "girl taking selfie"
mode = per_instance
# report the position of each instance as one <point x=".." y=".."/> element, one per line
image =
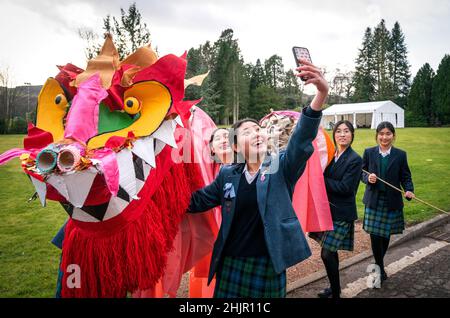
<point x="260" y="235"/>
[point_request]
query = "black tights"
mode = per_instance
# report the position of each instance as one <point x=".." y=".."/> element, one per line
<point x="331" y="261"/>
<point x="379" y="248"/>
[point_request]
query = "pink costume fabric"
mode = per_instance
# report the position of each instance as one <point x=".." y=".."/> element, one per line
<point x="197" y="234"/>
<point x="310" y="200"/>
<point x="82" y="120"/>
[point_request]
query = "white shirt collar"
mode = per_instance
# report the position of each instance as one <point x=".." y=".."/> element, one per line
<point x="248" y="176"/>
<point x="336" y="156"/>
<point x="384" y="154"/>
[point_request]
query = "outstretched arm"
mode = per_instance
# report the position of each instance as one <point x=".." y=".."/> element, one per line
<point x="300" y="146"/>
<point x="206" y="198"/>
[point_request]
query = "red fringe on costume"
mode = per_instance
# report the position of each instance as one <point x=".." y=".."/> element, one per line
<point x="129" y="252"/>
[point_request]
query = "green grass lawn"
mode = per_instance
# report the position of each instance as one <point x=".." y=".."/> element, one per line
<point x="28" y="261"/>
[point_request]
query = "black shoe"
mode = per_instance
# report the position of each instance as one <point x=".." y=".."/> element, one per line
<point x="326" y="293"/>
<point x="384" y="276"/>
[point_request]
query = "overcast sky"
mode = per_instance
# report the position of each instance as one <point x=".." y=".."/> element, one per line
<point x="37" y="35"/>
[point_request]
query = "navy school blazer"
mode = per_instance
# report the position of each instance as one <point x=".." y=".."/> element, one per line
<point x="342" y="181"/>
<point x="397" y="173"/>
<point x="275" y="184"/>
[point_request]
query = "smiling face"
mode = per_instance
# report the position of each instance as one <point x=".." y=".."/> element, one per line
<point x="220" y="146"/>
<point x="251" y="142"/>
<point x="343" y="136"/>
<point x="385" y="137"/>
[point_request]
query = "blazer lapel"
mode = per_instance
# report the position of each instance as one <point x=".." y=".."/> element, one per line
<point x="376" y="160"/>
<point x="228" y="212"/>
<point x="262" y="183"/>
<point x="341" y="160"/>
<point x="392" y="157"/>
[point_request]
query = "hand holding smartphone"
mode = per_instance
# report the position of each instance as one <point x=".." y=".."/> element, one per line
<point x="311" y="74"/>
<point x="301" y="53"/>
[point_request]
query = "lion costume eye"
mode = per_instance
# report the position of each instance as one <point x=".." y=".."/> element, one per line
<point x="52" y="108"/>
<point x="154" y="100"/>
<point x="132" y="105"/>
<point x="61" y="100"/>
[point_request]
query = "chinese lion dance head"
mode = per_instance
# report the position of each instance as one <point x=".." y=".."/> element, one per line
<point x="110" y="145"/>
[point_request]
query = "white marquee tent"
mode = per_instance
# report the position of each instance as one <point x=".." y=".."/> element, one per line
<point x="365" y="115"/>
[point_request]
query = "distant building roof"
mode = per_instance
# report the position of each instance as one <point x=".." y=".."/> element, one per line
<point x="359" y="108"/>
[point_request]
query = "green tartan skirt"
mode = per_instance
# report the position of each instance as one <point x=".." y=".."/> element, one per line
<point x="341" y="238"/>
<point x="381" y="221"/>
<point x="249" y="277"/>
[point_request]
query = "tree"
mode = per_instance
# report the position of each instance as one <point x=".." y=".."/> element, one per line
<point x="17" y="125"/>
<point x="236" y="89"/>
<point x="291" y="91"/>
<point x="381" y="45"/>
<point x="227" y="74"/>
<point x="398" y="66"/>
<point x="194" y="67"/>
<point x="265" y="98"/>
<point x="257" y="79"/>
<point x="274" y="70"/>
<point x="340" y="86"/>
<point x="200" y="62"/>
<point x="441" y="92"/>
<point x="208" y="53"/>
<point x="129" y="33"/>
<point x="91" y="39"/>
<point x="382" y="67"/>
<point x="364" y="80"/>
<point x="258" y="76"/>
<point x="8" y="96"/>
<point x="419" y="111"/>
<point x="135" y="30"/>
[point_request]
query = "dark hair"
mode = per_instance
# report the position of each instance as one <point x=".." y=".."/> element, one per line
<point x="232" y="137"/>
<point x="213" y="134"/>
<point x="382" y="125"/>
<point x="346" y="123"/>
<point x="233" y="130"/>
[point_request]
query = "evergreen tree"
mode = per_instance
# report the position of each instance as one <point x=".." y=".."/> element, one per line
<point x="236" y="90"/>
<point x="129" y="33"/>
<point x="136" y="32"/>
<point x="228" y="70"/>
<point x="364" y="78"/>
<point x="258" y="76"/>
<point x="208" y="54"/>
<point x="398" y="66"/>
<point x="193" y="68"/>
<point x="291" y="90"/>
<point x="418" y="111"/>
<point x="210" y="95"/>
<point x="441" y="92"/>
<point x="265" y="98"/>
<point x="274" y="70"/>
<point x="381" y="45"/>
<point x="199" y="63"/>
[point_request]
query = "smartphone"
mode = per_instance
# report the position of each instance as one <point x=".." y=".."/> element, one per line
<point x="301" y="53"/>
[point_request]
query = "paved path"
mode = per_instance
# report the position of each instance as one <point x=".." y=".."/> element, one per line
<point x="418" y="268"/>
